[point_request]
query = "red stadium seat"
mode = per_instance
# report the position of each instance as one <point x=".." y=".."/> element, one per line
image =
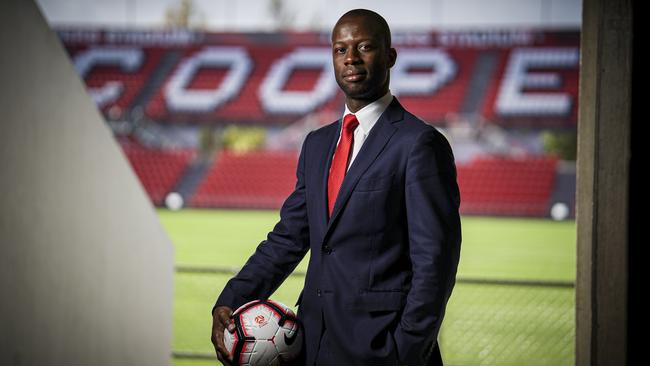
<point x="506" y="186"/>
<point x="489" y="185"/>
<point x="249" y="180"/>
<point x="158" y="170"/>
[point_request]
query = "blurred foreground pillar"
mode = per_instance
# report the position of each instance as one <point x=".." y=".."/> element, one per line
<point x="86" y="270"/>
<point x="603" y="179"/>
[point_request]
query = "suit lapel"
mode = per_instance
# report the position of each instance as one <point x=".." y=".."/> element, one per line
<point x="374" y="144"/>
<point x="325" y="161"/>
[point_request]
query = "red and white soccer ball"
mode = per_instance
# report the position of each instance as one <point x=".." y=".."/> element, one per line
<point x="267" y="333"/>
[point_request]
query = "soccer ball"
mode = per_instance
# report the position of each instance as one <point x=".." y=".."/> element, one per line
<point x="267" y="333"/>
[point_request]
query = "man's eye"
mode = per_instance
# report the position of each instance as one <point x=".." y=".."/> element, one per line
<point x="339" y="50"/>
<point x="365" y="47"/>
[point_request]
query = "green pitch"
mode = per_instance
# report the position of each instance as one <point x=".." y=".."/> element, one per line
<point x="487" y="324"/>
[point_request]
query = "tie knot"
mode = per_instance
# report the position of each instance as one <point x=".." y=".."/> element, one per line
<point x="350" y="122"/>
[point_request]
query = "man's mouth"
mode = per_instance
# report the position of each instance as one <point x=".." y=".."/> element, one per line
<point x="354" y="76"/>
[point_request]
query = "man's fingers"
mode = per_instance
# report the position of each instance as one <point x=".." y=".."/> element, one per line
<point x="221" y="347"/>
<point x="231" y="326"/>
<point x="222" y="353"/>
<point x="224" y="315"/>
<point x="221" y="320"/>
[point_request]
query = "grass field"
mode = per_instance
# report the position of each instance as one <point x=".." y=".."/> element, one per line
<point x="486" y="324"/>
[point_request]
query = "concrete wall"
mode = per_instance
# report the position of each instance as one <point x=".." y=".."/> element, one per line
<point x="603" y="171"/>
<point x="86" y="270"/>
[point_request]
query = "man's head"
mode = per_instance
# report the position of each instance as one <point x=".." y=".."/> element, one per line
<point x="362" y="56"/>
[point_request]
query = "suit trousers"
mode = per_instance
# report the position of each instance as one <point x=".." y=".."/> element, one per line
<point x="324" y="356"/>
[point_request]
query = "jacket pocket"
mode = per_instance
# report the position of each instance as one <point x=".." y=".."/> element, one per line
<point x="380" y="300"/>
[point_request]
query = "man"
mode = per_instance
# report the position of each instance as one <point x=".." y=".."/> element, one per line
<point x="376" y="201"/>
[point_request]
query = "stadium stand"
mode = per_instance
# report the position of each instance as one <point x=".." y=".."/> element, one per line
<point x="522" y="79"/>
<point x="247" y="180"/>
<point x="492" y="185"/>
<point x="158" y="170"/>
<point x="450" y="95"/>
<point x="488" y="184"/>
<point x="115" y="76"/>
<point x="534" y="88"/>
<point x="251" y="78"/>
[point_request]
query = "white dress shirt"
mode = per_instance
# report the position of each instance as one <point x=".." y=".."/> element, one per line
<point x="367" y="117"/>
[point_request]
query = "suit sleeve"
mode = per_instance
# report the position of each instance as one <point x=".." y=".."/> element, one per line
<point x="277" y="256"/>
<point x="432" y="202"/>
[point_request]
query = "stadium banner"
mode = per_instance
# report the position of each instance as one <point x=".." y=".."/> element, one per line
<point x="514" y="78"/>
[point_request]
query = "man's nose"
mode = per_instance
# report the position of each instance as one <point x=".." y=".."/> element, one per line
<point x="352" y="56"/>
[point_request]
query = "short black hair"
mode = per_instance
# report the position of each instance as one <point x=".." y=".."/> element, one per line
<point x="365" y="13"/>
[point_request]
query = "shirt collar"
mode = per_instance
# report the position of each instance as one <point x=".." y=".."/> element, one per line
<point x="369" y="115"/>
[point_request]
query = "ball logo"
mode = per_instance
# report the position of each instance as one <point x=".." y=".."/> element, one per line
<point x="260" y="320"/>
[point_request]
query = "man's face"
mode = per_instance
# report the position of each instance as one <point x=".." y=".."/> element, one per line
<point x="362" y="59"/>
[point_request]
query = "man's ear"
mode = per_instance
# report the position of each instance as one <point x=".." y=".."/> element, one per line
<point x="392" y="57"/>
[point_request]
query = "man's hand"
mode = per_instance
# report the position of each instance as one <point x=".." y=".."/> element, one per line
<point x="220" y="320"/>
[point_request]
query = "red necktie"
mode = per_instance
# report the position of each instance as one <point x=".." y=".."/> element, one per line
<point x="341" y="158"/>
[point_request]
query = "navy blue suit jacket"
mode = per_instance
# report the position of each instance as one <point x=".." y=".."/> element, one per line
<point x="383" y="266"/>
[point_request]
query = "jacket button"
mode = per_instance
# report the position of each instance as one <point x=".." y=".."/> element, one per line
<point x="318" y="292"/>
<point x="327" y="249"/>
